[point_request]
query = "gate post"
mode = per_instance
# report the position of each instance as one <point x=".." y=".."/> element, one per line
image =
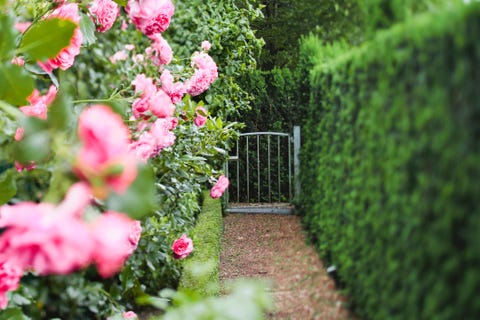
<point x="296" y="160"/>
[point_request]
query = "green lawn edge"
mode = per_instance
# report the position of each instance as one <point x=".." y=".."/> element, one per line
<point x="200" y="273"/>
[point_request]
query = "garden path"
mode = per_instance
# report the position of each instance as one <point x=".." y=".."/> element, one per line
<point x="273" y="247"/>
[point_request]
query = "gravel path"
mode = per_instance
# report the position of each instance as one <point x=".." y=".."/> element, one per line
<point x="273" y="247"/>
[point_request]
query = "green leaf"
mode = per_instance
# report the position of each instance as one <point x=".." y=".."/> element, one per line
<point x="7" y="37"/>
<point x="13" y="314"/>
<point x="33" y="148"/>
<point x="88" y="30"/>
<point x="139" y="199"/>
<point x="16" y="84"/>
<point x="8" y="188"/>
<point x="47" y="38"/>
<point x="122" y="3"/>
<point x="60" y="115"/>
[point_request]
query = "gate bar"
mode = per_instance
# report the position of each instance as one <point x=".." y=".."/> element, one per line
<point x="269" y="180"/>
<point x="278" y="170"/>
<point x="248" y="176"/>
<point x="258" y="167"/>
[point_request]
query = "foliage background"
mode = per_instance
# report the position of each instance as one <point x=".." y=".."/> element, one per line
<point x="390" y="158"/>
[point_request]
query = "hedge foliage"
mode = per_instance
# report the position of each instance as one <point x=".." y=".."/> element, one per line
<point x="200" y="271"/>
<point x="391" y="154"/>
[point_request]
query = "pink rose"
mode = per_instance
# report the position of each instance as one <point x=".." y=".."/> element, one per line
<point x="220" y="187"/>
<point x="22" y="26"/>
<point x="48" y="239"/>
<point x="144" y="85"/>
<point x="206" y="45"/>
<point x="10" y="276"/>
<point x="66" y="56"/>
<point x="160" y="51"/>
<point x="157" y="101"/>
<point x="176" y="91"/>
<point x="78" y="197"/>
<point x="104" y="13"/>
<point x="206" y="72"/>
<point x="145" y="147"/>
<point x="38" y="104"/>
<point x="161" y="105"/>
<point x="118" y="56"/>
<point x="18" y="61"/>
<point x="152" y="142"/>
<point x="124" y="25"/>
<point x="150" y="16"/>
<point x="202" y="60"/>
<point x="182" y="247"/>
<point x="111" y="233"/>
<point x="104" y="159"/>
<point x="135" y="234"/>
<point x="201" y="117"/>
<point x="161" y="131"/>
<point x="130" y="315"/>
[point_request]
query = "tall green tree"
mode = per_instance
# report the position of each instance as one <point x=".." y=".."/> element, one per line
<point x="287" y="21"/>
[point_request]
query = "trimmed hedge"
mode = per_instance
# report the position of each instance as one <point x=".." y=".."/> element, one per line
<point x="391" y="159"/>
<point x="200" y="270"/>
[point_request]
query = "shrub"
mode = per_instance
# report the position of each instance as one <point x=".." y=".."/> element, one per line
<point x="390" y="159"/>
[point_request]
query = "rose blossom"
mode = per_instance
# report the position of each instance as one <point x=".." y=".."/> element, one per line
<point x="130" y="315"/>
<point x="220" y="187"/>
<point x="134" y="236"/>
<point x="111" y="233"/>
<point x="205" y="74"/>
<point x="49" y="239"/>
<point x="21" y="166"/>
<point x="144" y="85"/>
<point x="160" y="51"/>
<point x="161" y="131"/>
<point x="182" y="247"/>
<point x="78" y="197"/>
<point x="18" y="61"/>
<point x="66" y="57"/>
<point x="161" y="105"/>
<point x="145" y="147"/>
<point x="118" y="56"/>
<point x="124" y="25"/>
<point x="176" y="90"/>
<point x="10" y="275"/>
<point x="150" y="16"/>
<point x="157" y="101"/>
<point x="152" y="142"/>
<point x="19" y="134"/>
<point x="104" y="159"/>
<point x="38" y="104"/>
<point x="206" y="45"/>
<point x="22" y="26"/>
<point x="201" y="117"/>
<point x="38" y="108"/>
<point x="105" y="13"/>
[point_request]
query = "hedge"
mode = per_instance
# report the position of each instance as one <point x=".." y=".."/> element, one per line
<point x="391" y="159"/>
<point x="200" y="270"/>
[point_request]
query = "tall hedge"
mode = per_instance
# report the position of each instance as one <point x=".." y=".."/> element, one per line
<point x="391" y="159"/>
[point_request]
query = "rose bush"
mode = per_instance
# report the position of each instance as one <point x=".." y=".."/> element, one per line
<point x="103" y="154"/>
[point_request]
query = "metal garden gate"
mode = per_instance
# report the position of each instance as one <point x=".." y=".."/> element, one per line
<point x="263" y="172"/>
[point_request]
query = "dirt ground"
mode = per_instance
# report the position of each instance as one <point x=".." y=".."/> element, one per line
<point x="273" y="247"/>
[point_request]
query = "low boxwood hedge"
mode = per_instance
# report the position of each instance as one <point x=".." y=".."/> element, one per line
<point x="200" y="270"/>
